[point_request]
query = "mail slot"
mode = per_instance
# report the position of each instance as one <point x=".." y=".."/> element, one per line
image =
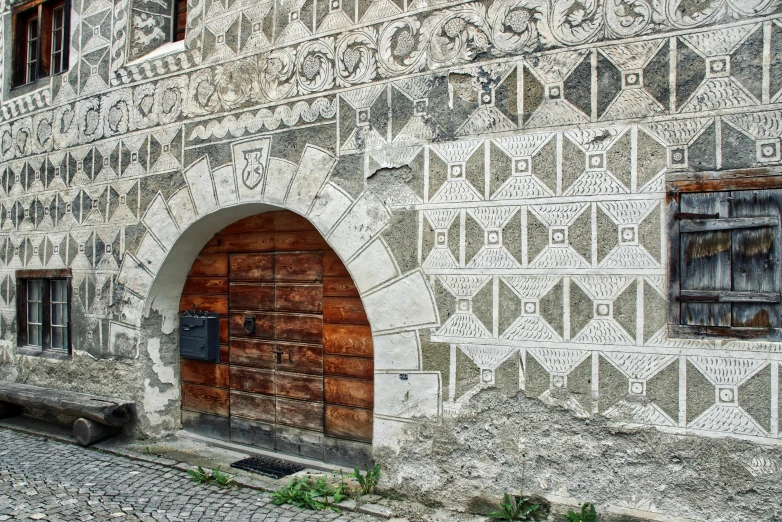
<point x="199" y="336"/>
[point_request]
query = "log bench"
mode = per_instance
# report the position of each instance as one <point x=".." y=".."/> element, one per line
<point x="98" y="417"/>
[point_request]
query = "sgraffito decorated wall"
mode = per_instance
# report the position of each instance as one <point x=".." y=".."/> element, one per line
<point x="492" y="174"/>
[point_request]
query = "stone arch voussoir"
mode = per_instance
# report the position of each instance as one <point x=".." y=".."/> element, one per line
<point x="397" y="304"/>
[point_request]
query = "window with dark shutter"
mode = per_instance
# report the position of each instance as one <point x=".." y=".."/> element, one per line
<point x="40" y="34"/>
<point x="725" y="259"/>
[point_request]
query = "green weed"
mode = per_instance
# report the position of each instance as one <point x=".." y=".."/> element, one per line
<point x="368" y="480"/>
<point x="514" y="508"/>
<point x="303" y="494"/>
<point x="216" y="477"/>
<point x="587" y="514"/>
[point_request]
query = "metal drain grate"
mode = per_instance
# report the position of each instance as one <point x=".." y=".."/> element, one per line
<point x="274" y="468"/>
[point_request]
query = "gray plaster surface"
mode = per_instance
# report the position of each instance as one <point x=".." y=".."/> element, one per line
<point x="41" y="479"/>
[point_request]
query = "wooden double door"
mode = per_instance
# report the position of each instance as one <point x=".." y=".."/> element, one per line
<point x="296" y="375"/>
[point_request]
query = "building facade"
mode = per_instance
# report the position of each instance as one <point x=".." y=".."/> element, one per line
<point x="506" y="184"/>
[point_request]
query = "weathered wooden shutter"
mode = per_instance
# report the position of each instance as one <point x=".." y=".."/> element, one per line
<point x="728" y="263"/>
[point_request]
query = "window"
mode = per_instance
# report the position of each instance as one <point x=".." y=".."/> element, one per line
<point x="180" y="19"/>
<point x="40" y="40"/>
<point x="725" y="253"/>
<point x="43" y="311"/>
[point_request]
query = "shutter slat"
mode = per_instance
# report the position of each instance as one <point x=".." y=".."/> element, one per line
<point x="709" y="225"/>
<point x="755" y="257"/>
<point x="705" y="261"/>
<point x="723" y="296"/>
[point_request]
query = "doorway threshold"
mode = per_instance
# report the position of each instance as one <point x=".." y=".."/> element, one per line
<point x="252" y="450"/>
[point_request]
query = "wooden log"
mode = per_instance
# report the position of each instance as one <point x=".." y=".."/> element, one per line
<point x="8" y="410"/>
<point x="88" y="432"/>
<point x="104" y="410"/>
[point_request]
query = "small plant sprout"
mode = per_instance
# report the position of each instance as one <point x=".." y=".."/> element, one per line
<point x="216" y="477"/>
<point x="587" y="514"/>
<point x="303" y="494"/>
<point x="369" y="480"/>
<point x="514" y="507"/>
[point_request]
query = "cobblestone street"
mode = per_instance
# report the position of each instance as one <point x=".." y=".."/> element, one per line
<point x="42" y="479"/>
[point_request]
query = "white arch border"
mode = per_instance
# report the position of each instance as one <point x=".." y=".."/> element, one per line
<point x="397" y="304"/>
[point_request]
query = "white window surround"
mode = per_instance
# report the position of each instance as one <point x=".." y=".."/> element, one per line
<point x="163" y="50"/>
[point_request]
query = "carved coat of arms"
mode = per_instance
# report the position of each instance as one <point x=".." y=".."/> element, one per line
<point x="251" y="160"/>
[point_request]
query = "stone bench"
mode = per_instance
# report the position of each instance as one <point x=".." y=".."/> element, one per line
<point x="98" y="417"/>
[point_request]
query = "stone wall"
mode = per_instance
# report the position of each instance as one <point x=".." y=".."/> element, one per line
<point x="491" y="173"/>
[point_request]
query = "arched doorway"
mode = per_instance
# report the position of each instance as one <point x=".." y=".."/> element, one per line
<point x="300" y="380"/>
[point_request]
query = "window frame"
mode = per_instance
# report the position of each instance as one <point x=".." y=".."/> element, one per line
<point x="760" y="178"/>
<point x="177" y="28"/>
<point x="45" y="349"/>
<point x="44" y="66"/>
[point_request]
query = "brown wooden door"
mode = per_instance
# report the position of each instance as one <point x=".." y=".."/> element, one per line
<point x="296" y="375"/>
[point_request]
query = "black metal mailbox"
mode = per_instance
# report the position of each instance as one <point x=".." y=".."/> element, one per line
<point x="199" y="336"/>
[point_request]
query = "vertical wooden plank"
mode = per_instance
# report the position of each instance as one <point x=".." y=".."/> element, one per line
<point x="705" y="260"/>
<point x="756" y="254"/>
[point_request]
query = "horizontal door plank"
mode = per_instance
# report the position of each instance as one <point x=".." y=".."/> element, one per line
<point x="287" y="221"/>
<point x="252" y="352"/>
<point x="252" y="267"/>
<point x="253" y="406"/>
<point x="210" y="265"/>
<point x="253" y="380"/>
<point x="306" y="240"/>
<point x="349" y="392"/>
<point x="205" y="399"/>
<point x="348" y="339"/>
<point x="264" y="325"/>
<point x="206" y="285"/>
<point x="303" y="267"/>
<point x="298" y="297"/>
<point x="300" y="358"/>
<point x="339" y="287"/>
<point x="345" y="310"/>
<point x="333" y="266"/>
<point x="263" y="222"/>
<point x="205" y="302"/>
<point x="298" y="327"/>
<point x="252" y="296"/>
<point x="253" y="432"/>
<point x="302" y="414"/>
<point x="709" y="225"/>
<point x="362" y="367"/>
<point x="204" y="373"/>
<point x="728" y="296"/>
<point x="255" y="242"/>
<point x="349" y="423"/>
<point x="300" y="386"/>
<point x="224" y="353"/>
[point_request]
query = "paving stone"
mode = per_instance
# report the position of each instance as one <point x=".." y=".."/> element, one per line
<point x="53" y="481"/>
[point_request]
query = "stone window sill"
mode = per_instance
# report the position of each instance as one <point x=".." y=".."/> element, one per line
<point x="35" y="351"/>
<point x="163" y="50"/>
